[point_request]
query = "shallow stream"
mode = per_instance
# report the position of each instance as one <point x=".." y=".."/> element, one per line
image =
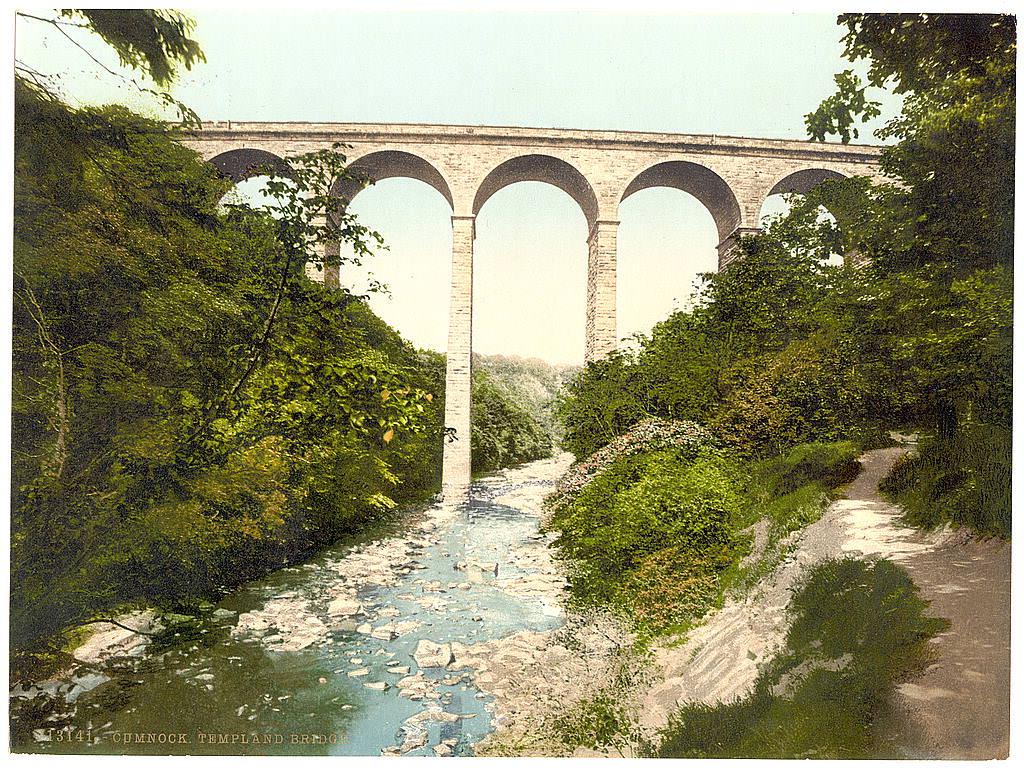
<point x="308" y="682"/>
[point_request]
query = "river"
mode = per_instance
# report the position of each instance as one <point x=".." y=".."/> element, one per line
<point x="272" y="671"/>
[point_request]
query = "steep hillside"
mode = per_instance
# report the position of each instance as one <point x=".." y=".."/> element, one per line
<point x="532" y="383"/>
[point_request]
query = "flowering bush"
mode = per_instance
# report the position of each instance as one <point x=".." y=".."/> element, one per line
<point x="647" y="436"/>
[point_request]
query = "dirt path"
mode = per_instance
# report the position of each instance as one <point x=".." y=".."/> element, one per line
<point x="959" y="707"/>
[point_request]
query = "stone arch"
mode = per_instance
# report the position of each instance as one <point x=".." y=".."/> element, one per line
<point x="243" y="163"/>
<point x="540" y="168"/>
<point x="698" y="181"/>
<point x="803" y="181"/>
<point x="380" y="165"/>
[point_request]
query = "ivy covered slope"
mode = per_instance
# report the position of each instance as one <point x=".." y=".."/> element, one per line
<point x="188" y="409"/>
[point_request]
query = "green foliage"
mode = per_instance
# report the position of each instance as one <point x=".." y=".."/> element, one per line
<point x="687" y="439"/>
<point x="145" y="39"/>
<point x="922" y="51"/>
<point x="964" y="480"/>
<point x="806" y="391"/>
<point x="531" y="383"/>
<point x="503" y="432"/>
<point x="784" y="494"/>
<point x="599" y="403"/>
<point x="827" y="465"/>
<point x="154" y="42"/>
<point x="837" y="114"/>
<point x="771" y="355"/>
<point x="656" y="532"/>
<point x="781" y="349"/>
<point x="952" y="165"/>
<point x="187" y="408"/>
<point x="857" y="627"/>
<point x="651" y="534"/>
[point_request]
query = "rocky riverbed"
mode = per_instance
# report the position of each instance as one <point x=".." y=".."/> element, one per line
<point x="421" y="641"/>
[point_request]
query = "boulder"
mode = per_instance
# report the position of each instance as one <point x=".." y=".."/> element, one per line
<point x="404" y="628"/>
<point x="344" y="606"/>
<point x="430" y="654"/>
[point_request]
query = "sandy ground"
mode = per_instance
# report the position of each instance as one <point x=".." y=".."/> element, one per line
<point x="959" y="707"/>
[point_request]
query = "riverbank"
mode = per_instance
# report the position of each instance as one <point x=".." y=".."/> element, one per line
<point x="449" y="636"/>
<point x="957" y="708"/>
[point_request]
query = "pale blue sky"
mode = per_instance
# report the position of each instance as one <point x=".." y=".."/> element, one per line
<point x="754" y="75"/>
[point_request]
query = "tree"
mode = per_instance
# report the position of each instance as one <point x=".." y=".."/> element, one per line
<point x="188" y="408"/>
<point x="154" y="42"/>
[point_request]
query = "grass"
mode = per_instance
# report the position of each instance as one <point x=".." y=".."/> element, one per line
<point x="857" y="627"/>
<point x="964" y="481"/>
<point x="785" y="494"/>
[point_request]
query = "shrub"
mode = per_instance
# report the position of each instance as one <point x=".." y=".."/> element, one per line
<point x="652" y="534"/>
<point x="828" y="464"/>
<point x="689" y="438"/>
<point x="806" y="392"/>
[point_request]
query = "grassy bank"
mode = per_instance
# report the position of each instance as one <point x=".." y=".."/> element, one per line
<point x="857" y="627"/>
<point x="659" y="532"/>
<point x="961" y="481"/>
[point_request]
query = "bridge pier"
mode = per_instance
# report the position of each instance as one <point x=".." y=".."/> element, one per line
<point x="456" y="468"/>
<point x="601" y="331"/>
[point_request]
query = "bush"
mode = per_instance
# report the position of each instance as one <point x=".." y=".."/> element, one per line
<point x="652" y="534"/>
<point x="806" y="392"/>
<point x="688" y="438"/>
<point x="829" y="465"/>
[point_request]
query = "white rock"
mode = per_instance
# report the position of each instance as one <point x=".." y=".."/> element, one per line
<point x="344" y="606"/>
<point x="404" y="628"/>
<point x="380" y="686"/>
<point x="360" y="672"/>
<point x="430" y="654"/>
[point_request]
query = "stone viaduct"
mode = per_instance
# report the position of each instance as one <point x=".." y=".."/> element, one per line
<point x="731" y="176"/>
